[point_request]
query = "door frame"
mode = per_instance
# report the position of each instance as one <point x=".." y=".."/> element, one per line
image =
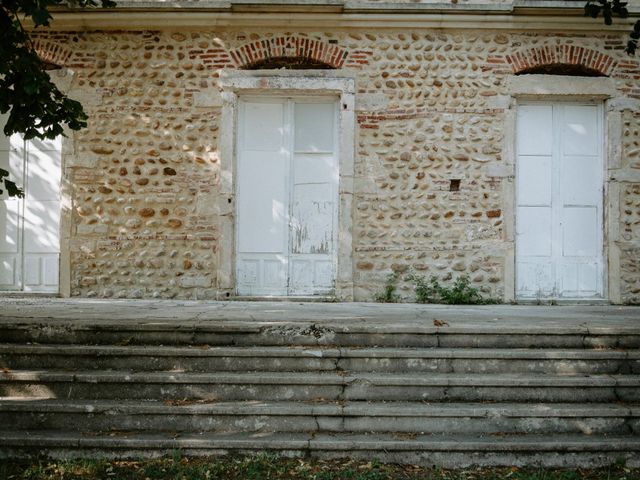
<point x="271" y="83"/>
<point x="286" y="100"/>
<point x="527" y="89"/>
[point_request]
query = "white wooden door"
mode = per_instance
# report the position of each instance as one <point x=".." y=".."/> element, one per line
<point x="559" y="243"/>
<point x="287" y="192"/>
<point x="29" y="227"/>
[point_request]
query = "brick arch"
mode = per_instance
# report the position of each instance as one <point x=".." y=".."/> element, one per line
<point x="52" y="53"/>
<point x="315" y="51"/>
<point x="561" y="54"/>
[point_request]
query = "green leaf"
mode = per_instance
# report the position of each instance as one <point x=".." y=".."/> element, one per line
<point x="591" y="10"/>
<point x="41" y="17"/>
<point x="12" y="189"/>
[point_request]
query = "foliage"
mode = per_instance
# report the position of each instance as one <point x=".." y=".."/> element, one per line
<point x="460" y="293"/>
<point x="37" y="108"/>
<point x="609" y="9"/>
<point x="271" y="467"/>
<point x="12" y="189"/>
<point x="389" y="294"/>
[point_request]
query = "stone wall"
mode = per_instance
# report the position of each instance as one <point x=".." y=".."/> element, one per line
<point x="431" y="178"/>
<point x="630" y="210"/>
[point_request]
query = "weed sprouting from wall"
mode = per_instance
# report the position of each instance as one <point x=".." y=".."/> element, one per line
<point x="460" y="293"/>
<point x="388" y="294"/>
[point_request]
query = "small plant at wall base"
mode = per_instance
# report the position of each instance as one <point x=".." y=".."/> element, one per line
<point x="460" y="293"/>
<point x="389" y="294"/>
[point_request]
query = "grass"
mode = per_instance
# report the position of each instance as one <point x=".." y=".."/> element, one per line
<point x="269" y="467"/>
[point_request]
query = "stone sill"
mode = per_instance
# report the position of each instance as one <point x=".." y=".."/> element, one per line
<point x="279" y="298"/>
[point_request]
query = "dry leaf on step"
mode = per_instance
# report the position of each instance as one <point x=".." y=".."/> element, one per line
<point x="439" y="323"/>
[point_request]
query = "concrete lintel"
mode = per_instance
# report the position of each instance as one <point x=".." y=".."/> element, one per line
<point x="290" y="82"/>
<point x="540" y="86"/>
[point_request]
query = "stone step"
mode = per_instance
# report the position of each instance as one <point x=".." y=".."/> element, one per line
<point x="349" y="331"/>
<point x="207" y="358"/>
<point x="355" y="417"/>
<point x="306" y="386"/>
<point x="449" y="451"/>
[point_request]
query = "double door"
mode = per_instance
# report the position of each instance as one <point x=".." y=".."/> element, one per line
<point x="559" y="216"/>
<point x="287" y="196"/>
<point x="29" y="227"/>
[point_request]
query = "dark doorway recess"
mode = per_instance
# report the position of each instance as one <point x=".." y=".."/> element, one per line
<point x="562" y="69"/>
<point x="289" y="63"/>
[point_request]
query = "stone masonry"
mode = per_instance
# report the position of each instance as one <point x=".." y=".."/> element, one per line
<point x="430" y="172"/>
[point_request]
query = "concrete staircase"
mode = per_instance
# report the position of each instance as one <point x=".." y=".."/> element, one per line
<point x="404" y="390"/>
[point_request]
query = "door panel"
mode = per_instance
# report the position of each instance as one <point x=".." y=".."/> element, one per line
<point x="263" y="209"/>
<point x="580" y="232"/>
<point x="534" y="230"/>
<point x="580" y="180"/>
<point x="534" y="181"/>
<point x="579" y="130"/>
<point x="536" y="277"/>
<point x="579" y="279"/>
<point x="42" y="167"/>
<point x="287" y="198"/>
<point x="535" y="130"/>
<point x="41" y="272"/>
<point x="314" y="127"/>
<point x="559" y="245"/>
<point x="263" y="126"/>
<point x="312" y="219"/>
<point x="12" y="154"/>
<point x="9" y="228"/>
<point x="313" y="205"/>
<point x="275" y="273"/>
<point x="45" y="145"/>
